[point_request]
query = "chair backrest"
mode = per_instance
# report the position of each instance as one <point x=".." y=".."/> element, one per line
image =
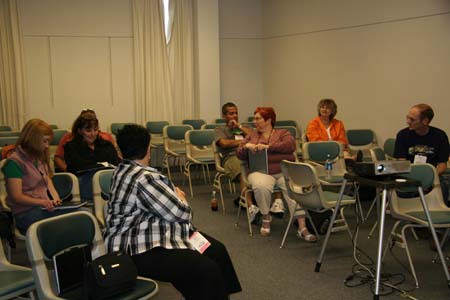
<point x="5" y="128"/>
<point x="286" y="123"/>
<point x="248" y="124"/>
<point x="155" y="128"/>
<point x="303" y="184"/>
<point x="389" y="147"/>
<point x="57" y="135"/>
<point x="47" y="237"/>
<point x="66" y="184"/>
<point x="8" y="140"/>
<point x="212" y="126"/>
<point x="53" y="126"/>
<point x="361" y="139"/>
<point x="377" y="154"/>
<point x="319" y="152"/>
<point x="250" y="119"/>
<point x="173" y="137"/>
<point x="429" y="179"/>
<point x="9" y="133"/>
<point x="199" y="144"/>
<point x="217" y="159"/>
<point x="295" y="133"/>
<point x="115" y="127"/>
<point x="195" y="123"/>
<point x="220" y="121"/>
<point x="101" y="186"/>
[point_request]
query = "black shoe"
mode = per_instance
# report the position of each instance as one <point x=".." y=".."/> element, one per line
<point x="324" y="227"/>
<point x="278" y="215"/>
<point x="258" y="219"/>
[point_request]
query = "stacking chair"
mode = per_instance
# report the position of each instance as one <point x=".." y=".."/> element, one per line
<point x="5" y="128"/>
<point x="220" y="121"/>
<point x="50" y="236"/>
<point x="67" y="186"/>
<point x="361" y="139"/>
<point x="220" y="173"/>
<point x="174" y="145"/>
<point x="410" y="214"/>
<point x="212" y="126"/>
<point x="198" y="152"/>
<point x="101" y="185"/>
<point x="377" y="154"/>
<point x="250" y="119"/>
<point x="57" y="135"/>
<point x="316" y="154"/>
<point x="195" y="123"/>
<point x="9" y="133"/>
<point x="14" y="280"/>
<point x="304" y="186"/>
<point x="286" y="123"/>
<point x="389" y="147"/>
<point x="53" y="126"/>
<point x="8" y="140"/>
<point x="115" y="127"/>
<point x="155" y="128"/>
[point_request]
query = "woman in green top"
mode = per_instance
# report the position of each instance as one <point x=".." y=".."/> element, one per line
<point x="31" y="193"/>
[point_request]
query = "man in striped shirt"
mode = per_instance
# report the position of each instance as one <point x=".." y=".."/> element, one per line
<point x="150" y="219"/>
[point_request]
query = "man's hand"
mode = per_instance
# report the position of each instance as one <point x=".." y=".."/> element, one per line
<point x="234" y="124"/>
<point x="180" y="194"/>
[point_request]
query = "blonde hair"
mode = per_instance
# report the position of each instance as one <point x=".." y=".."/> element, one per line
<point x="31" y="136"/>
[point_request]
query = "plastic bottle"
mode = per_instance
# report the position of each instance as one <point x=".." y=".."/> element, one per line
<point x="214" y="206"/>
<point x="328" y="167"/>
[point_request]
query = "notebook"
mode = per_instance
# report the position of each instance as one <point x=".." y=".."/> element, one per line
<point x="69" y="267"/>
<point x="257" y="162"/>
<point x="68" y="205"/>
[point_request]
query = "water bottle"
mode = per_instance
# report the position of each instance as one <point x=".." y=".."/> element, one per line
<point x="328" y="167"/>
<point x="214" y="206"/>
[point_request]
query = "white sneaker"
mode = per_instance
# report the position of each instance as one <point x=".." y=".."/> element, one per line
<point x="277" y="206"/>
<point x="253" y="210"/>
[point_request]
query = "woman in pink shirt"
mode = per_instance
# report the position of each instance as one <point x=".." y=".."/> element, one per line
<point x="280" y="144"/>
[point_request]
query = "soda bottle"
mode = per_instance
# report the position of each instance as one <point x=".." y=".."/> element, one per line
<point x="214" y="206"/>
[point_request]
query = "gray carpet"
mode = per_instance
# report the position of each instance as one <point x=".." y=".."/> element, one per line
<point x="267" y="272"/>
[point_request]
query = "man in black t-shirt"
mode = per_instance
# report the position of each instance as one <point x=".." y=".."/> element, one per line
<point x="420" y="142"/>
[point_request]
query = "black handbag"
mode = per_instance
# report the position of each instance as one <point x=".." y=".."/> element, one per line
<point x="109" y="275"/>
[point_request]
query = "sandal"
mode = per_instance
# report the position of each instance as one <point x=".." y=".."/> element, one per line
<point x="305" y="235"/>
<point x="265" y="231"/>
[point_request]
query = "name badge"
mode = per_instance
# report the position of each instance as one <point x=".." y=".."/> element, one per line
<point x="199" y="242"/>
<point x="238" y="137"/>
<point x="420" y="159"/>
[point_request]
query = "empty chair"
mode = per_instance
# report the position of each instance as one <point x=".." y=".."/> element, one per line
<point x="198" y="152"/>
<point x="155" y="128"/>
<point x="5" y="128"/>
<point x="67" y="186"/>
<point x="174" y="145"/>
<point x="53" y="126"/>
<point x="377" y="154"/>
<point x="220" y="121"/>
<point x="304" y="187"/>
<point x="361" y="139"/>
<point x="212" y="126"/>
<point x="101" y="185"/>
<point x="389" y="147"/>
<point x="57" y="135"/>
<point x="195" y="123"/>
<point x="250" y="119"/>
<point x="286" y="123"/>
<point x="9" y="133"/>
<point x="296" y="134"/>
<point x="50" y="236"/>
<point x="115" y="127"/>
<point x="408" y="210"/>
<point x="8" y="140"/>
<point x="14" y="280"/>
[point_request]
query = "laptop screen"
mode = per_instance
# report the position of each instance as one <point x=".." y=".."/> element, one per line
<point x="69" y="267"/>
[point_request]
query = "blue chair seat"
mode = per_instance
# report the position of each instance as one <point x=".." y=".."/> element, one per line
<point x="438" y="217"/>
<point x="12" y="281"/>
<point x="142" y="288"/>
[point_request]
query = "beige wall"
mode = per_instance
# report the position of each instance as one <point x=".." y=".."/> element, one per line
<point x="241" y="54"/>
<point x="375" y="58"/>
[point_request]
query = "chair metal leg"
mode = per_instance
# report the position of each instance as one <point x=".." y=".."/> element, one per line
<point x="243" y="203"/>
<point x="288" y="226"/>
<point x="327" y="236"/>
<point x="408" y="254"/>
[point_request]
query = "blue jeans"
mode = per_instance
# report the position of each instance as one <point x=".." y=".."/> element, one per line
<point x="26" y="218"/>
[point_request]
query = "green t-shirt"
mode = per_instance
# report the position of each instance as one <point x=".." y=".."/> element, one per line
<point x="11" y="169"/>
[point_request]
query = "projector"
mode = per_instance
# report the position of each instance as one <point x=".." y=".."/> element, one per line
<point x="382" y="167"/>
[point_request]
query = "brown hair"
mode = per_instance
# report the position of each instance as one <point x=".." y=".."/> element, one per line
<point x="30" y="139"/>
<point x="267" y="113"/>
<point x="87" y="119"/>
<point x="328" y="102"/>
